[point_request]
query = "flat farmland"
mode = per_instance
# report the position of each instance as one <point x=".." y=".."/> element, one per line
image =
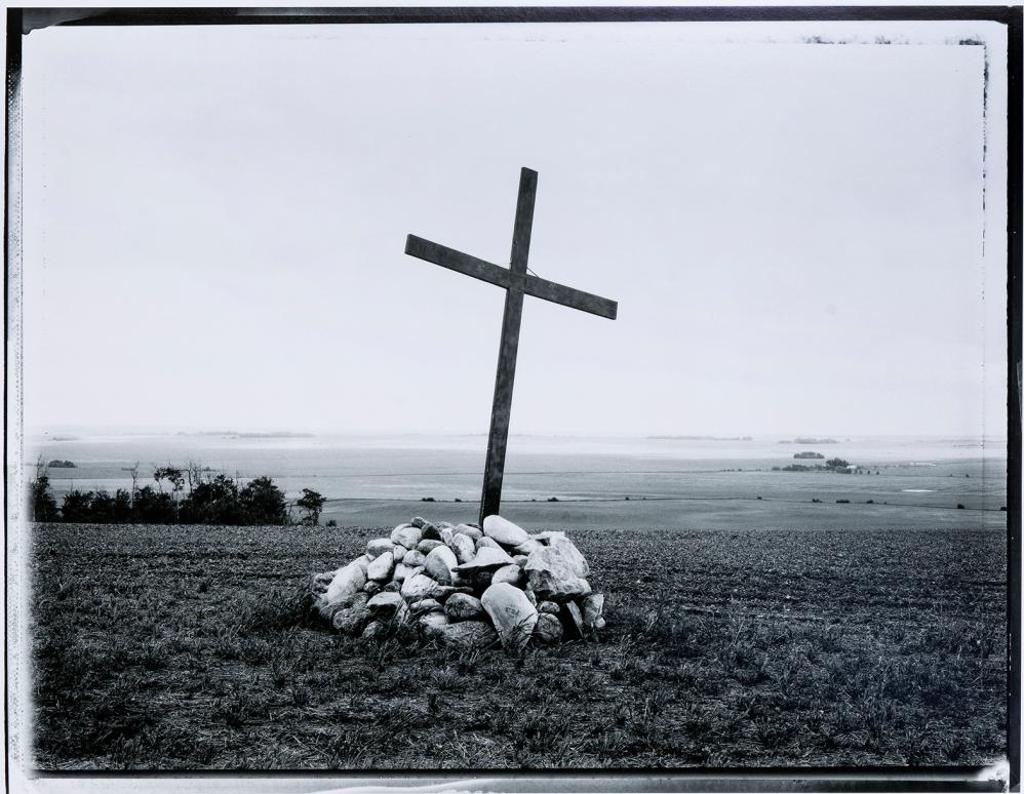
<point x="190" y="648"/>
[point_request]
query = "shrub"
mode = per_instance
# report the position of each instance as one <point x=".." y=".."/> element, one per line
<point x="152" y="507"/>
<point x="212" y="502"/>
<point x="42" y="505"/>
<point x="77" y="506"/>
<point x="262" y="502"/>
<point x="312" y="502"/>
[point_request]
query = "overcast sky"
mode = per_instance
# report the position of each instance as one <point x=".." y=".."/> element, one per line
<point x="215" y="221"/>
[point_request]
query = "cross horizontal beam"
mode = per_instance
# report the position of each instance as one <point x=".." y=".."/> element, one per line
<point x="503" y="277"/>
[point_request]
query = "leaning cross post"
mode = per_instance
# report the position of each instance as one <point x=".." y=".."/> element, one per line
<point x="517" y="283"/>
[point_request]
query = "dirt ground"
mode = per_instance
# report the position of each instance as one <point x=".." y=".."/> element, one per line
<point x="188" y="648"/>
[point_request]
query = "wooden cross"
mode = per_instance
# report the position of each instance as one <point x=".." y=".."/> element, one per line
<point x="516" y="282"/>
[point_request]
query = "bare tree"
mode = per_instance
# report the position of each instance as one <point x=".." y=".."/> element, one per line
<point x="194" y="473"/>
<point x="133" y="472"/>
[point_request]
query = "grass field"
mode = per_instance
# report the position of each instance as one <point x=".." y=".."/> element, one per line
<point x="187" y="648"/>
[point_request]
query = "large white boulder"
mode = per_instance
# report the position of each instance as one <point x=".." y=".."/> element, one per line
<point x="417" y="587"/>
<point x="510" y="573"/>
<point x="512" y="614"/>
<point x="504" y="531"/>
<point x="556" y="572"/>
<point x="487" y="559"/>
<point x="463" y="547"/>
<point x="346" y="581"/>
<point x="407" y="535"/>
<point x="378" y="546"/>
<point x="381" y="567"/>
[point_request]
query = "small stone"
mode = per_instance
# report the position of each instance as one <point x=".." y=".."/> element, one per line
<point x="446" y="535"/>
<point x="427" y="545"/>
<point x="378" y="546"/>
<point x="402" y="572"/>
<point x="442" y="592"/>
<point x="439" y="563"/>
<point x="430" y="532"/>
<point x="425" y="605"/>
<point x="548" y="630"/>
<point x="592" y="608"/>
<point x="504" y="531"/>
<point x="463" y="547"/>
<point x="373" y="630"/>
<point x="467" y="635"/>
<point x="600" y="624"/>
<point x="432" y="622"/>
<point x="372" y="587"/>
<point x="529" y="547"/>
<point x="321" y="582"/>
<point x="520" y="560"/>
<point x="419" y="522"/>
<point x="487" y="559"/>
<point x="418" y="586"/>
<point x="549" y="608"/>
<point x="413" y="558"/>
<point x="477" y="581"/>
<point x="407" y="535"/>
<point x="512" y="574"/>
<point x="547" y="537"/>
<point x="387" y="606"/>
<point x="512" y="613"/>
<point x="490" y="543"/>
<point x="352" y="618"/>
<point x="381" y="568"/>
<point x="463" y="607"/>
<point x="399" y="553"/>
<point x="472" y="533"/>
<point x="392" y="587"/>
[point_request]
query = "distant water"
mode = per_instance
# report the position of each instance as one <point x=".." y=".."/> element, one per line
<point x="926" y="473"/>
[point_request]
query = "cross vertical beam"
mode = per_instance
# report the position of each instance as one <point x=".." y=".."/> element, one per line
<point x="504" y="379"/>
<point x="517" y="283"/>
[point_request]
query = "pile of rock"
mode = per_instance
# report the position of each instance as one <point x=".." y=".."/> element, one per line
<point x="465" y="586"/>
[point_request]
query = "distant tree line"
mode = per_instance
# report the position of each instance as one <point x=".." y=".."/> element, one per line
<point x="195" y="496"/>
<point x="832" y="464"/>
